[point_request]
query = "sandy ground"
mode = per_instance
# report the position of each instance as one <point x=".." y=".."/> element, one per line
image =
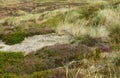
<point x="34" y="43"/>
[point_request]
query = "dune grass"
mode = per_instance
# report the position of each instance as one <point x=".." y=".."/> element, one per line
<point x="100" y="18"/>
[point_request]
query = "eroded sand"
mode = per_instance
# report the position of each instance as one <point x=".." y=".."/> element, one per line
<point x="34" y="43"/>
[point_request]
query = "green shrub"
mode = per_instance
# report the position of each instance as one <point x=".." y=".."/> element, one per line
<point x="14" y="38"/>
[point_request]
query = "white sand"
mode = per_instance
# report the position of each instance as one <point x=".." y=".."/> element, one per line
<point x="34" y="43"/>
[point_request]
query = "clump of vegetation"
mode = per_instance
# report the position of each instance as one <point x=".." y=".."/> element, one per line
<point x="14" y="38"/>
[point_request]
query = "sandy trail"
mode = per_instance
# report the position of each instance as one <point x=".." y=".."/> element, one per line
<point x="34" y="43"/>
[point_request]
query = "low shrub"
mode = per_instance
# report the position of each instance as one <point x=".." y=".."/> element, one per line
<point x="14" y="38"/>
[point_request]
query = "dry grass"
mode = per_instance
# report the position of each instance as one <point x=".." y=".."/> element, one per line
<point x="104" y="67"/>
<point x="77" y="31"/>
<point x="27" y="17"/>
